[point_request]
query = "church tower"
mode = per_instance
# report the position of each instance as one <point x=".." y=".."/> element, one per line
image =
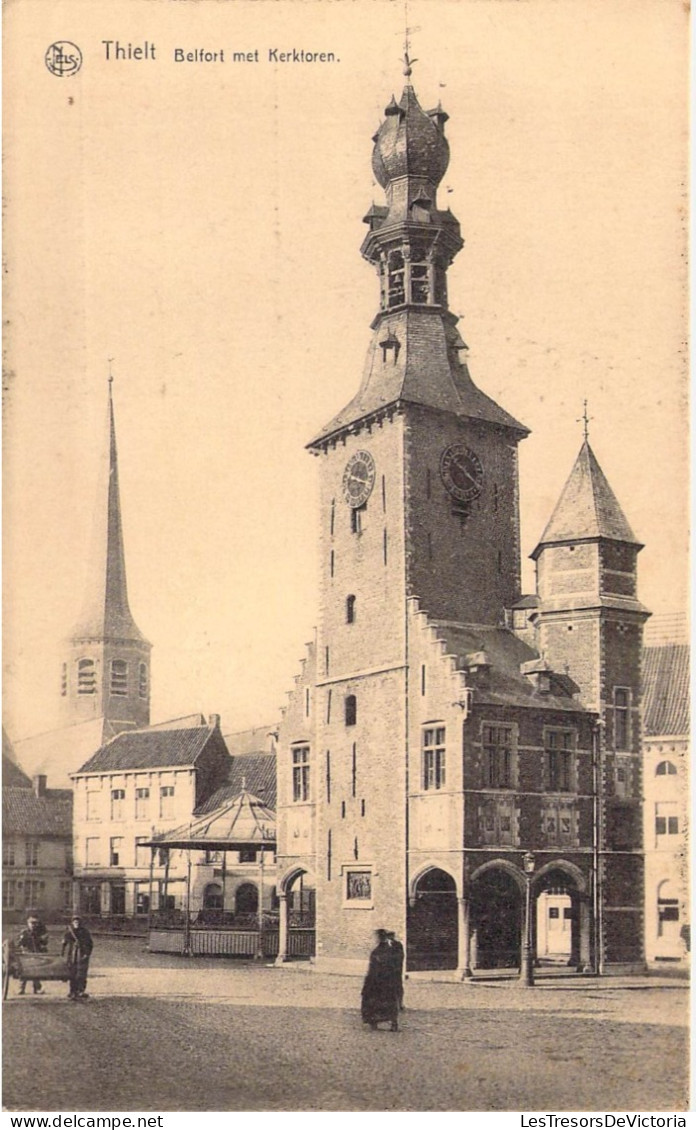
<point x="106" y="673"/>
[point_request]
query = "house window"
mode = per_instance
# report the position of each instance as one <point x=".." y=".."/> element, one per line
<point x="350" y="609"/>
<point x="32" y="853"/>
<point x="92" y="851"/>
<point x="247" y="855"/>
<point x="142" y="681"/>
<point x="86" y="676"/>
<point x="93" y="804"/>
<point x="115" y="851"/>
<point x="142" y="803"/>
<point x="8" y="854"/>
<point x="434" y="757"/>
<point x="351" y="710"/>
<point x="559" y="760"/>
<point x="118" y="797"/>
<point x="166" y="801"/>
<point x="621" y="735"/>
<point x="300" y="773"/>
<point x="33" y="892"/>
<point x="119" y="678"/>
<point x="497" y="755"/>
<point x="9" y="894"/>
<point x="666" y="820"/>
<point x="666" y="769"/>
<point x="142" y="853"/>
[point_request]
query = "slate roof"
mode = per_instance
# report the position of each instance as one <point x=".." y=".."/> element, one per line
<point x="505" y="652"/>
<point x="666" y="690"/>
<point x="149" y="749"/>
<point x="425" y="372"/>
<point x="25" y="814"/>
<point x="255" y="772"/>
<point x="587" y="508"/>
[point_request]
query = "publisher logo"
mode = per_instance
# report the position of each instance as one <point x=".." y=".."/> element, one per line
<point x="63" y="58"/>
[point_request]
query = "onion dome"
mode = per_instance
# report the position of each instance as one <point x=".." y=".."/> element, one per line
<point x="410" y="142"/>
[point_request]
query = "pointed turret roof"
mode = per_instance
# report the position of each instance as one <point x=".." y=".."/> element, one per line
<point x="587" y="508"/>
<point x="105" y="611"/>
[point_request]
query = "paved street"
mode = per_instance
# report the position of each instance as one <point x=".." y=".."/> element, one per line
<point x="163" y="1034"/>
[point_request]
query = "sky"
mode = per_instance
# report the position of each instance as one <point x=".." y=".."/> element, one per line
<point x="200" y="224"/>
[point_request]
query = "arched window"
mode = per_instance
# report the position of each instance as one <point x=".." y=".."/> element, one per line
<point x="142" y="680"/>
<point x="119" y="678"/>
<point x="351" y="710"/>
<point x="86" y="676"/>
<point x="350" y="609"/>
<point x="666" y="769"/>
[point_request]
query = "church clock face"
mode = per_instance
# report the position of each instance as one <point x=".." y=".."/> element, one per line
<point x="358" y="478"/>
<point x="461" y="471"/>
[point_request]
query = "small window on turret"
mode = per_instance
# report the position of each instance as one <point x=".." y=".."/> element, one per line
<point x="142" y="680"/>
<point x="119" y="677"/>
<point x="396" y="291"/>
<point x="86" y="676"/>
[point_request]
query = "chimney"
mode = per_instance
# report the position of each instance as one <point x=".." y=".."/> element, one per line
<point x="39" y="784"/>
<point x="214" y="720"/>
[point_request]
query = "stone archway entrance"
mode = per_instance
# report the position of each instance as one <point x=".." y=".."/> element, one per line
<point x="432" y="922"/>
<point x="297" y="898"/>
<point x="496" y="911"/>
<point x="562" y="920"/>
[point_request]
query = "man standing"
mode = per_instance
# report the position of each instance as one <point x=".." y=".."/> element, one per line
<point x="77" y="947"/>
<point x="33" y="939"/>
<point x="398" y="952"/>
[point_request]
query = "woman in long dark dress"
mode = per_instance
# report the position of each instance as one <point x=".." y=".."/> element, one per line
<point x="380" y="991"/>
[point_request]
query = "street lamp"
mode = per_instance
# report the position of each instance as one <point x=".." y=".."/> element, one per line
<point x="527" y="965"/>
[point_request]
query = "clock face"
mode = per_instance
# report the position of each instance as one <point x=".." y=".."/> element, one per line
<point x="461" y="471"/>
<point x="358" y="478"/>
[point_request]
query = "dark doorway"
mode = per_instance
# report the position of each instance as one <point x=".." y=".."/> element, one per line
<point x="118" y="898"/>
<point x="431" y="939"/>
<point x="246" y="900"/>
<point x="496" y="920"/>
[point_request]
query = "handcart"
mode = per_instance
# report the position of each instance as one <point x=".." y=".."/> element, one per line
<point x="25" y="966"/>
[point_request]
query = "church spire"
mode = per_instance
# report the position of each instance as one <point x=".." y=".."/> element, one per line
<point x="107" y="674"/>
<point x="105" y="612"/>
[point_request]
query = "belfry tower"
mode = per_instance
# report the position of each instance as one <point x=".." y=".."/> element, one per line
<point x="106" y="673"/>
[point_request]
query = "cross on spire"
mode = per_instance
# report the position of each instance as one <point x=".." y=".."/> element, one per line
<point x="585" y="420"/>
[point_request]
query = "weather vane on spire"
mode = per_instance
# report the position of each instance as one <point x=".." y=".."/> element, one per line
<point x="408" y="61"/>
<point x="585" y="420"/>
